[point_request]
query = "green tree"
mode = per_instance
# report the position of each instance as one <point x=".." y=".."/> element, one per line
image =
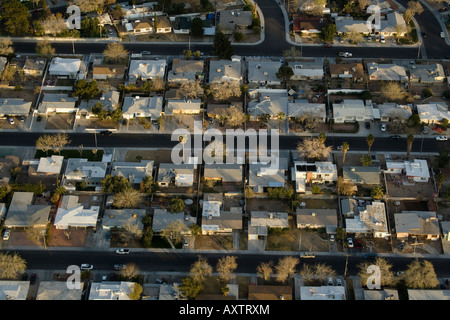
<point x="285" y="73"/>
<point x="328" y="32"/>
<point x="136" y="293"/>
<point x="15" y="17"/>
<point x="366" y="160"/>
<point x="281" y="117"/>
<point x="322" y="137"/>
<point x="176" y="205"/>
<point x="377" y="193"/>
<point x="345" y="147"/>
<point x="90" y="27"/>
<point x="86" y="89"/>
<point x="222" y="46"/>
<point x="197" y="29"/>
<point x="147" y="185"/>
<point x="115" y="184"/>
<point x="315" y="189"/>
<point x="370" y="140"/>
<point x="190" y="287"/>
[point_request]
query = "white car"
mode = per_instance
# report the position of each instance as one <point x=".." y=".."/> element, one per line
<point x="6" y="234"/>
<point x="350" y="242"/>
<point x="441" y="138"/>
<point x="383" y="127"/>
<point x="123" y="251"/>
<point x="382" y="40"/>
<point x="86" y="266"/>
<point x="442" y="35"/>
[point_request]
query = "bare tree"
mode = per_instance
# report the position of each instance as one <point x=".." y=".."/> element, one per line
<point x="89" y="5"/>
<point x="414" y="7"/>
<point x="44" y="48"/>
<point x="175" y="231"/>
<point x="131" y="270"/>
<point x="225" y="90"/>
<point x="45" y="143"/>
<point x="129" y="198"/>
<point x="264" y="270"/>
<point x="313" y="148"/>
<point x="421" y="275"/>
<point x="115" y="52"/>
<point x="345" y="188"/>
<point x="225" y="267"/>
<point x="54" y="24"/>
<point x="286" y="268"/>
<point x="11" y="265"/>
<point x="387" y="275"/>
<point x="318" y="271"/>
<point x="200" y="269"/>
<point x="191" y="89"/>
<point x="392" y="91"/>
<point x="6" y="47"/>
<point x="60" y="140"/>
<point x="36" y="234"/>
<point x="8" y="73"/>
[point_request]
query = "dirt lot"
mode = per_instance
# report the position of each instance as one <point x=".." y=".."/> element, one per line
<point x="213" y="242"/>
<point x="60" y="121"/>
<point x="257" y="204"/>
<point x="159" y="156"/>
<point x="58" y="239"/>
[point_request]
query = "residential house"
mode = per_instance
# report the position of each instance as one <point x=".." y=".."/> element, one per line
<point x="181" y="175"/>
<point x="178" y="106"/>
<point x="393" y="24"/>
<point x="319" y="172"/>
<point x="390" y="111"/>
<point x="46" y="167"/>
<point x="231" y="21"/>
<point x="302" y="108"/>
<point x="6" y="164"/>
<point x="353" y="71"/>
<point x="267" y="101"/>
<point x="162" y="219"/>
<point x="57" y="103"/>
<point x="352" y="111"/>
<point x="308" y="25"/>
<point x="430" y="113"/>
<point x="215" y="220"/>
<point x="428" y="294"/>
<point x="225" y="70"/>
<point x="370" y="219"/>
<point x="267" y="292"/>
<point x="72" y="214"/>
<point x="186" y="70"/>
<point x="120" y="218"/>
<point x="263" y="72"/>
<point x="350" y="207"/>
<point x="163" y="24"/>
<point x="261" y="221"/>
<point x="135" y="172"/>
<point x="423" y="224"/>
<point x="14" y="107"/>
<point x="320" y="293"/>
<point x="109" y="101"/>
<point x="64" y="67"/>
<point x="139" y="11"/>
<point x="362" y="175"/>
<point x="81" y="170"/>
<point x="109" y="290"/>
<point x="346" y="25"/>
<point x="142" y="107"/>
<point x="14" y="289"/>
<point x="142" y="26"/>
<point x="311" y="6"/>
<point x="263" y="176"/>
<point x="147" y="69"/>
<point x="386" y="72"/>
<point x="307" y="69"/>
<point x="181" y="24"/>
<point x="224" y="172"/>
<point x="108" y="71"/>
<point x="316" y="218"/>
<point x="416" y="170"/>
<point x="427" y="73"/>
<point x="58" y="290"/>
<point x="29" y="66"/>
<point x="385" y="294"/>
<point x="22" y="213"/>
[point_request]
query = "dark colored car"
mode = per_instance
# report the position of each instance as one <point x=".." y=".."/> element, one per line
<point x="370" y="255"/>
<point x="395" y="137"/>
<point x="25" y="277"/>
<point x="327" y="45"/>
<point x="106" y="133"/>
<point x="367" y="125"/>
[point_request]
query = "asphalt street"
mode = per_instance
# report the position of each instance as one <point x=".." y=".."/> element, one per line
<point x="148" y="261"/>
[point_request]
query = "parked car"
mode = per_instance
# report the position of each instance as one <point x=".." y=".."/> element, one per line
<point x="332" y="237"/>
<point x="345" y="54"/>
<point x="22" y="119"/>
<point x="370" y="256"/>
<point x="357" y="243"/>
<point x="119" y="267"/>
<point x="367" y="125"/>
<point x="443" y="9"/>
<point x="123" y="251"/>
<point x="442" y="35"/>
<point x="395" y="137"/>
<point x="186" y="242"/>
<point x="105" y="133"/>
<point x="330" y="281"/>
<point x="383" y="127"/>
<point x="308" y="255"/>
<point x="382" y="40"/>
<point x="11" y="120"/>
<point x="86" y="266"/>
<point x="6" y="234"/>
<point x="425" y="130"/>
<point x="339" y="282"/>
<point x="350" y="242"/>
<point x="327" y="45"/>
<point x="441" y="138"/>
